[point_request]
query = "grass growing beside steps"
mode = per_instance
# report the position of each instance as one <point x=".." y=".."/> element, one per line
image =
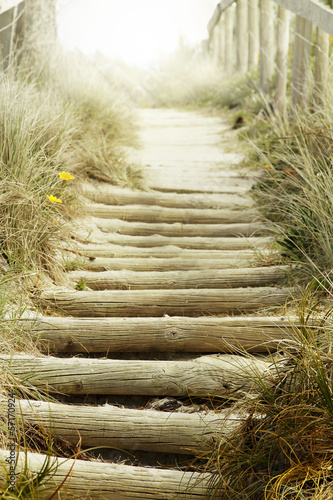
<point x="58" y="123"/>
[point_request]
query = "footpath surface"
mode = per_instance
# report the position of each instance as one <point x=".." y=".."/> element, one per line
<point x="175" y="294"/>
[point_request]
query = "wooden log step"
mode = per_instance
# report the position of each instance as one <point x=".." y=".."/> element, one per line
<point x="190" y="242"/>
<point x="218" y="375"/>
<point x="127" y="429"/>
<point x="110" y="195"/>
<point x="155" y="280"/>
<point x="155" y="264"/>
<point x="145" y="303"/>
<point x="87" y="480"/>
<point x="252" y="249"/>
<point x="143" y="213"/>
<point x="179" y="229"/>
<point x="177" y="334"/>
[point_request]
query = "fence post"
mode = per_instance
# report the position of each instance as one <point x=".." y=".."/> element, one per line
<point x="267" y="44"/>
<point x="301" y="60"/>
<point x="322" y="62"/>
<point x="222" y="40"/>
<point x="282" y="59"/>
<point x="6" y="37"/>
<point x="216" y="45"/>
<point x="242" y="35"/>
<point x="253" y="34"/>
<point x="229" y="40"/>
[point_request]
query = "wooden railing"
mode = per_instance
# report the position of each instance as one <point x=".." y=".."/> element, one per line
<point x="10" y="13"/>
<point x="244" y="34"/>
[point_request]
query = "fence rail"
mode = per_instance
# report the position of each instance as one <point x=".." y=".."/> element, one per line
<point x="8" y="4"/>
<point x="243" y="35"/>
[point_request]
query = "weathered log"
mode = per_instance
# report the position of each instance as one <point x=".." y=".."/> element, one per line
<point x="103" y="481"/>
<point x="128" y="429"/>
<point x="143" y="213"/>
<point x="190" y="242"/>
<point x="179" y="229"/>
<point x="228" y="278"/>
<point x="205" y="334"/>
<point x="110" y="195"/>
<point x="217" y="375"/>
<point x="143" y="303"/>
<point x="256" y="247"/>
<point x="156" y="264"/>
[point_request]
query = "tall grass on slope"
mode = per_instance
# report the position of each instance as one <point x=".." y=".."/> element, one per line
<point x="297" y="192"/>
<point x="284" y="448"/>
<point x="106" y="120"/>
<point x="35" y="140"/>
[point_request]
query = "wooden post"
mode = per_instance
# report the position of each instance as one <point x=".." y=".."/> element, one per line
<point x="229" y="40"/>
<point x="242" y="35"/>
<point x="321" y="70"/>
<point x="216" y="45"/>
<point x="282" y="59"/>
<point x="267" y="44"/>
<point x="301" y="60"/>
<point x="6" y="26"/>
<point x="222" y="40"/>
<point x="253" y="15"/>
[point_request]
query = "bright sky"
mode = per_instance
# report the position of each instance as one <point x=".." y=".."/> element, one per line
<point x="137" y="31"/>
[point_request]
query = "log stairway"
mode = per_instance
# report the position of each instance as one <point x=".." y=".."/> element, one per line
<point x="175" y="295"/>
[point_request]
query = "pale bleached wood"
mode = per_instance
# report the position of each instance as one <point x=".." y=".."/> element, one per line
<point x="103" y="481"/>
<point x="156" y="280"/>
<point x="229" y="42"/>
<point x="242" y="35"/>
<point x="253" y="17"/>
<point x="222" y="40"/>
<point x="186" y="242"/>
<point x="312" y="10"/>
<point x="322" y="66"/>
<point x="110" y="195"/>
<point x="282" y="60"/>
<point x="177" y="334"/>
<point x="249" y="248"/>
<point x="142" y="213"/>
<point x="174" y="264"/>
<point x="301" y="61"/>
<point x="8" y="4"/>
<point x="159" y="302"/>
<point x="128" y="429"/>
<point x="217" y="375"/>
<point x="267" y="44"/>
<point x="179" y="229"/>
<point x="216" y="45"/>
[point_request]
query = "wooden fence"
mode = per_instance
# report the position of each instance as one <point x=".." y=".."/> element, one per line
<point x="249" y="33"/>
<point x="10" y="13"/>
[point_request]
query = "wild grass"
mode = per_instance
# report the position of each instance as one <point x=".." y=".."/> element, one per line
<point x="284" y="448"/>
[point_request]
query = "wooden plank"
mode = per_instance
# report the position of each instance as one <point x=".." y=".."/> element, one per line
<point x="128" y="429"/>
<point x="177" y="334"/>
<point x="254" y="247"/>
<point x="159" y="302"/>
<point x="189" y="242"/>
<point x="155" y="280"/>
<point x="217" y="375"/>
<point x="282" y="60"/>
<point x="267" y="45"/>
<point x="174" y="263"/>
<point x="322" y="66"/>
<point x="142" y="213"/>
<point x="253" y="17"/>
<point x="104" y="481"/>
<point x="113" y="196"/>
<point x="301" y="60"/>
<point x="312" y="10"/>
<point x="178" y="229"/>
<point x="8" y="4"/>
<point x="217" y="14"/>
<point x="242" y="35"/>
<point x="229" y="40"/>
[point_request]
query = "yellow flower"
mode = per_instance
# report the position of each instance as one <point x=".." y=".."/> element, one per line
<point x="330" y="38"/>
<point x="267" y="165"/>
<point x="54" y="199"/>
<point x="65" y="176"/>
